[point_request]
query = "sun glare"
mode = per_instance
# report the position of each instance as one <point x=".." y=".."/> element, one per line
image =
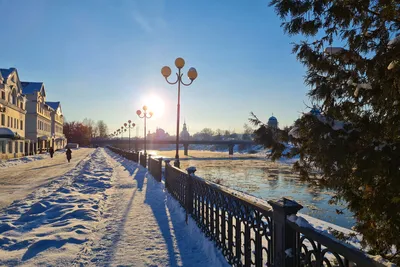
<point x="155" y="104"/>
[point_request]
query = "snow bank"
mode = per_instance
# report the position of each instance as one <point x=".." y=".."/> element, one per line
<point x="26" y="159"/>
<point x="47" y="228"/>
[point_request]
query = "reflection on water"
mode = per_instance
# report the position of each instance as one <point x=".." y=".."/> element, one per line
<point x="267" y="180"/>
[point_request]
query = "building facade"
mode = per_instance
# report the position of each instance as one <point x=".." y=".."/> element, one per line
<point x="12" y="116"/>
<point x="184" y="133"/>
<point x="38" y="116"/>
<point x="58" y="140"/>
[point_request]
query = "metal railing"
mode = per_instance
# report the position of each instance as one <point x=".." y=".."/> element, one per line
<point x="143" y="159"/>
<point x="252" y="232"/>
<point x="155" y="168"/>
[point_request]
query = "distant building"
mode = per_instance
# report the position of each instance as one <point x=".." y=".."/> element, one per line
<point x="57" y="122"/>
<point x="185" y="133"/>
<point x="273" y="122"/>
<point x="160" y="134"/>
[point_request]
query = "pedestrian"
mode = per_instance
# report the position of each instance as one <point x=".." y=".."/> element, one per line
<point x="51" y="151"/>
<point x="69" y="152"/>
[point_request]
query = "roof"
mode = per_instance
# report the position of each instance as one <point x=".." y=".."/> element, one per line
<point x="6" y="72"/>
<point x="53" y="105"/>
<point x="31" y="87"/>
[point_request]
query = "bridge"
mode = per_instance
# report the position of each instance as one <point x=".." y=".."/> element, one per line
<point x="136" y="142"/>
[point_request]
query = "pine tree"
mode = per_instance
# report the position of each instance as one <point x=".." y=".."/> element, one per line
<point x="351" y="49"/>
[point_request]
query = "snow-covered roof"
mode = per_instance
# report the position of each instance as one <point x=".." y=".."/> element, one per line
<point x="53" y="105"/>
<point x="6" y="72"/>
<point x="31" y="87"/>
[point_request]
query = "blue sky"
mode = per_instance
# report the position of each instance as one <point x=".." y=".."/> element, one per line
<point x="101" y="59"/>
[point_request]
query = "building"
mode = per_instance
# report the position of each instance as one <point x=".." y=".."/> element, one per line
<point x="38" y="116"/>
<point x="12" y="116"/>
<point x="273" y="122"/>
<point x="184" y="133"/>
<point x="57" y="126"/>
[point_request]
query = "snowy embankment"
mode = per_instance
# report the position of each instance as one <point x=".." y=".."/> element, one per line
<point x="17" y="161"/>
<point x="47" y="227"/>
<point x="106" y="211"/>
<point x="144" y="226"/>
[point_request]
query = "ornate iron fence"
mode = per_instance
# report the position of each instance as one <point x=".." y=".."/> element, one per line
<point x="155" y="168"/>
<point x="249" y="232"/>
<point x="317" y="250"/>
<point x="143" y="159"/>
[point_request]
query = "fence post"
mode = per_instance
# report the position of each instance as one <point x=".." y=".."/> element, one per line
<point x="284" y="237"/>
<point x="160" y="168"/>
<point x="149" y="162"/>
<point x="167" y="161"/>
<point x="189" y="191"/>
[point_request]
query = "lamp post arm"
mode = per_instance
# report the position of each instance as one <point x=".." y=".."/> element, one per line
<point x="186" y="84"/>
<point x="178" y="79"/>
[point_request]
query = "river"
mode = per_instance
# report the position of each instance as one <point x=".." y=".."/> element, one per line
<point x="258" y="176"/>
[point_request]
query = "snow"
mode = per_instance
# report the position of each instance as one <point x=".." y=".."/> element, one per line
<point x="294" y="132"/>
<point x="105" y="211"/>
<point x="334" y="124"/>
<point x="18" y="161"/>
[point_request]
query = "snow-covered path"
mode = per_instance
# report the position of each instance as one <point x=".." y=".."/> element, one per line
<point x="107" y="211"/>
<point x="16" y="182"/>
<point x="144" y="226"/>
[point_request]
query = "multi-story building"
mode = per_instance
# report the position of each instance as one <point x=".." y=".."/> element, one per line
<point x="38" y="116"/>
<point x="57" y="121"/>
<point x="12" y="116"/>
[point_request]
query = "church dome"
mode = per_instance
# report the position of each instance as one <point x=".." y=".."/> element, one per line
<point x="272" y="122"/>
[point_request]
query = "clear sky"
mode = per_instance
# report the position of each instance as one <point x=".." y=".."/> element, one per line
<point x="102" y="59"/>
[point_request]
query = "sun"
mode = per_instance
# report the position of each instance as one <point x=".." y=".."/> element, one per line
<point x="155" y="104"/>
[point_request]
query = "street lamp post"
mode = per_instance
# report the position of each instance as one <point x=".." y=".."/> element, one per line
<point x="130" y="125"/>
<point x="192" y="75"/>
<point x="145" y="117"/>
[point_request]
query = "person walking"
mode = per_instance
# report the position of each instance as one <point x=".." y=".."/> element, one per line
<point x="51" y="151"/>
<point x="69" y="153"/>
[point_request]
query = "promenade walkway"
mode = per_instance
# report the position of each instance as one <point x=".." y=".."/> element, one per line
<point x="105" y="211"/>
<point x="16" y="182"/>
<point x="143" y="226"/>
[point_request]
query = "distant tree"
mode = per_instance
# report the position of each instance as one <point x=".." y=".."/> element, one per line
<point x="355" y="138"/>
<point x="77" y="132"/>
<point x="247" y="133"/>
<point x="218" y="135"/>
<point x="92" y="126"/>
<point x="102" y="129"/>
<point x="205" y="134"/>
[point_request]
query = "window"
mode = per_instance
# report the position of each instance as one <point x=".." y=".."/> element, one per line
<point x="15" y="123"/>
<point x="21" y="105"/>
<point x="3" y="146"/>
<point x="11" y="125"/>
<point x="10" y="147"/>
<point x="16" y="147"/>
<point x="14" y="97"/>
<point x="22" y="125"/>
<point x="3" y="95"/>
<point x="21" y="147"/>
<point x="8" y="121"/>
<point x="3" y="119"/>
